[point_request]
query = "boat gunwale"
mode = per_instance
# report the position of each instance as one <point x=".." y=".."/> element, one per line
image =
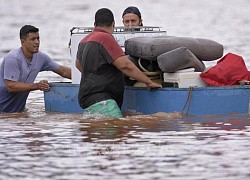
<point x="69" y="84"/>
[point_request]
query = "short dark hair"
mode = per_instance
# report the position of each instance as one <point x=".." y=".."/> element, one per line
<point x="104" y="17"/>
<point x="26" y="29"/>
<point x="132" y="9"/>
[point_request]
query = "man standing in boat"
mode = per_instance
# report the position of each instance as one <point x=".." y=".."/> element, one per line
<point x="131" y="18"/>
<point x="19" y="69"/>
<point x="102" y="64"/>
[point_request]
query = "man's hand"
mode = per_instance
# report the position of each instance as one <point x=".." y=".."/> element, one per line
<point x="43" y="85"/>
<point x="153" y="85"/>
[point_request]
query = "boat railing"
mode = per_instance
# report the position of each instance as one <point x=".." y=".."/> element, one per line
<point x="120" y="29"/>
<point x="120" y="33"/>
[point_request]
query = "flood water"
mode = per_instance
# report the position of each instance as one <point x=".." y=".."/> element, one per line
<point x="39" y="145"/>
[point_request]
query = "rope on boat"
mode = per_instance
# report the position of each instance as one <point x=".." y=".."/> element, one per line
<point x="188" y="101"/>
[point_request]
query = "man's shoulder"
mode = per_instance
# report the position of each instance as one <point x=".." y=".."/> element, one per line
<point x="97" y="36"/>
<point x="14" y="53"/>
<point x="42" y="55"/>
<point x="105" y="35"/>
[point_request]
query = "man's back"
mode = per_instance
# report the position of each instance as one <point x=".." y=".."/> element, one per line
<point x="96" y="53"/>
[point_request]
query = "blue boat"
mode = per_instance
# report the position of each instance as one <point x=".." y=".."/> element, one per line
<point x="63" y="97"/>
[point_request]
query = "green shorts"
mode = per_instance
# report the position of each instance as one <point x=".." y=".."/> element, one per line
<point x="107" y="107"/>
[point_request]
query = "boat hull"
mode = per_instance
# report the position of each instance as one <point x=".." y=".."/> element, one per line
<point x="63" y="97"/>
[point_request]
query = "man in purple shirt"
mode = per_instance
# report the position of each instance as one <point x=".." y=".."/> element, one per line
<point x="19" y="69"/>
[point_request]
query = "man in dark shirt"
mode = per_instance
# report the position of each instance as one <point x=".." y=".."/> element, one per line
<point x="102" y="63"/>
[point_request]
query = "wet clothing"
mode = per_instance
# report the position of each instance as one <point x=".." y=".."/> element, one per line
<point x="100" y="80"/>
<point x="107" y="108"/>
<point x="16" y="67"/>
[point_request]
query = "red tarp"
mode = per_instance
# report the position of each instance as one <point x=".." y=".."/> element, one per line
<point x="229" y="70"/>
